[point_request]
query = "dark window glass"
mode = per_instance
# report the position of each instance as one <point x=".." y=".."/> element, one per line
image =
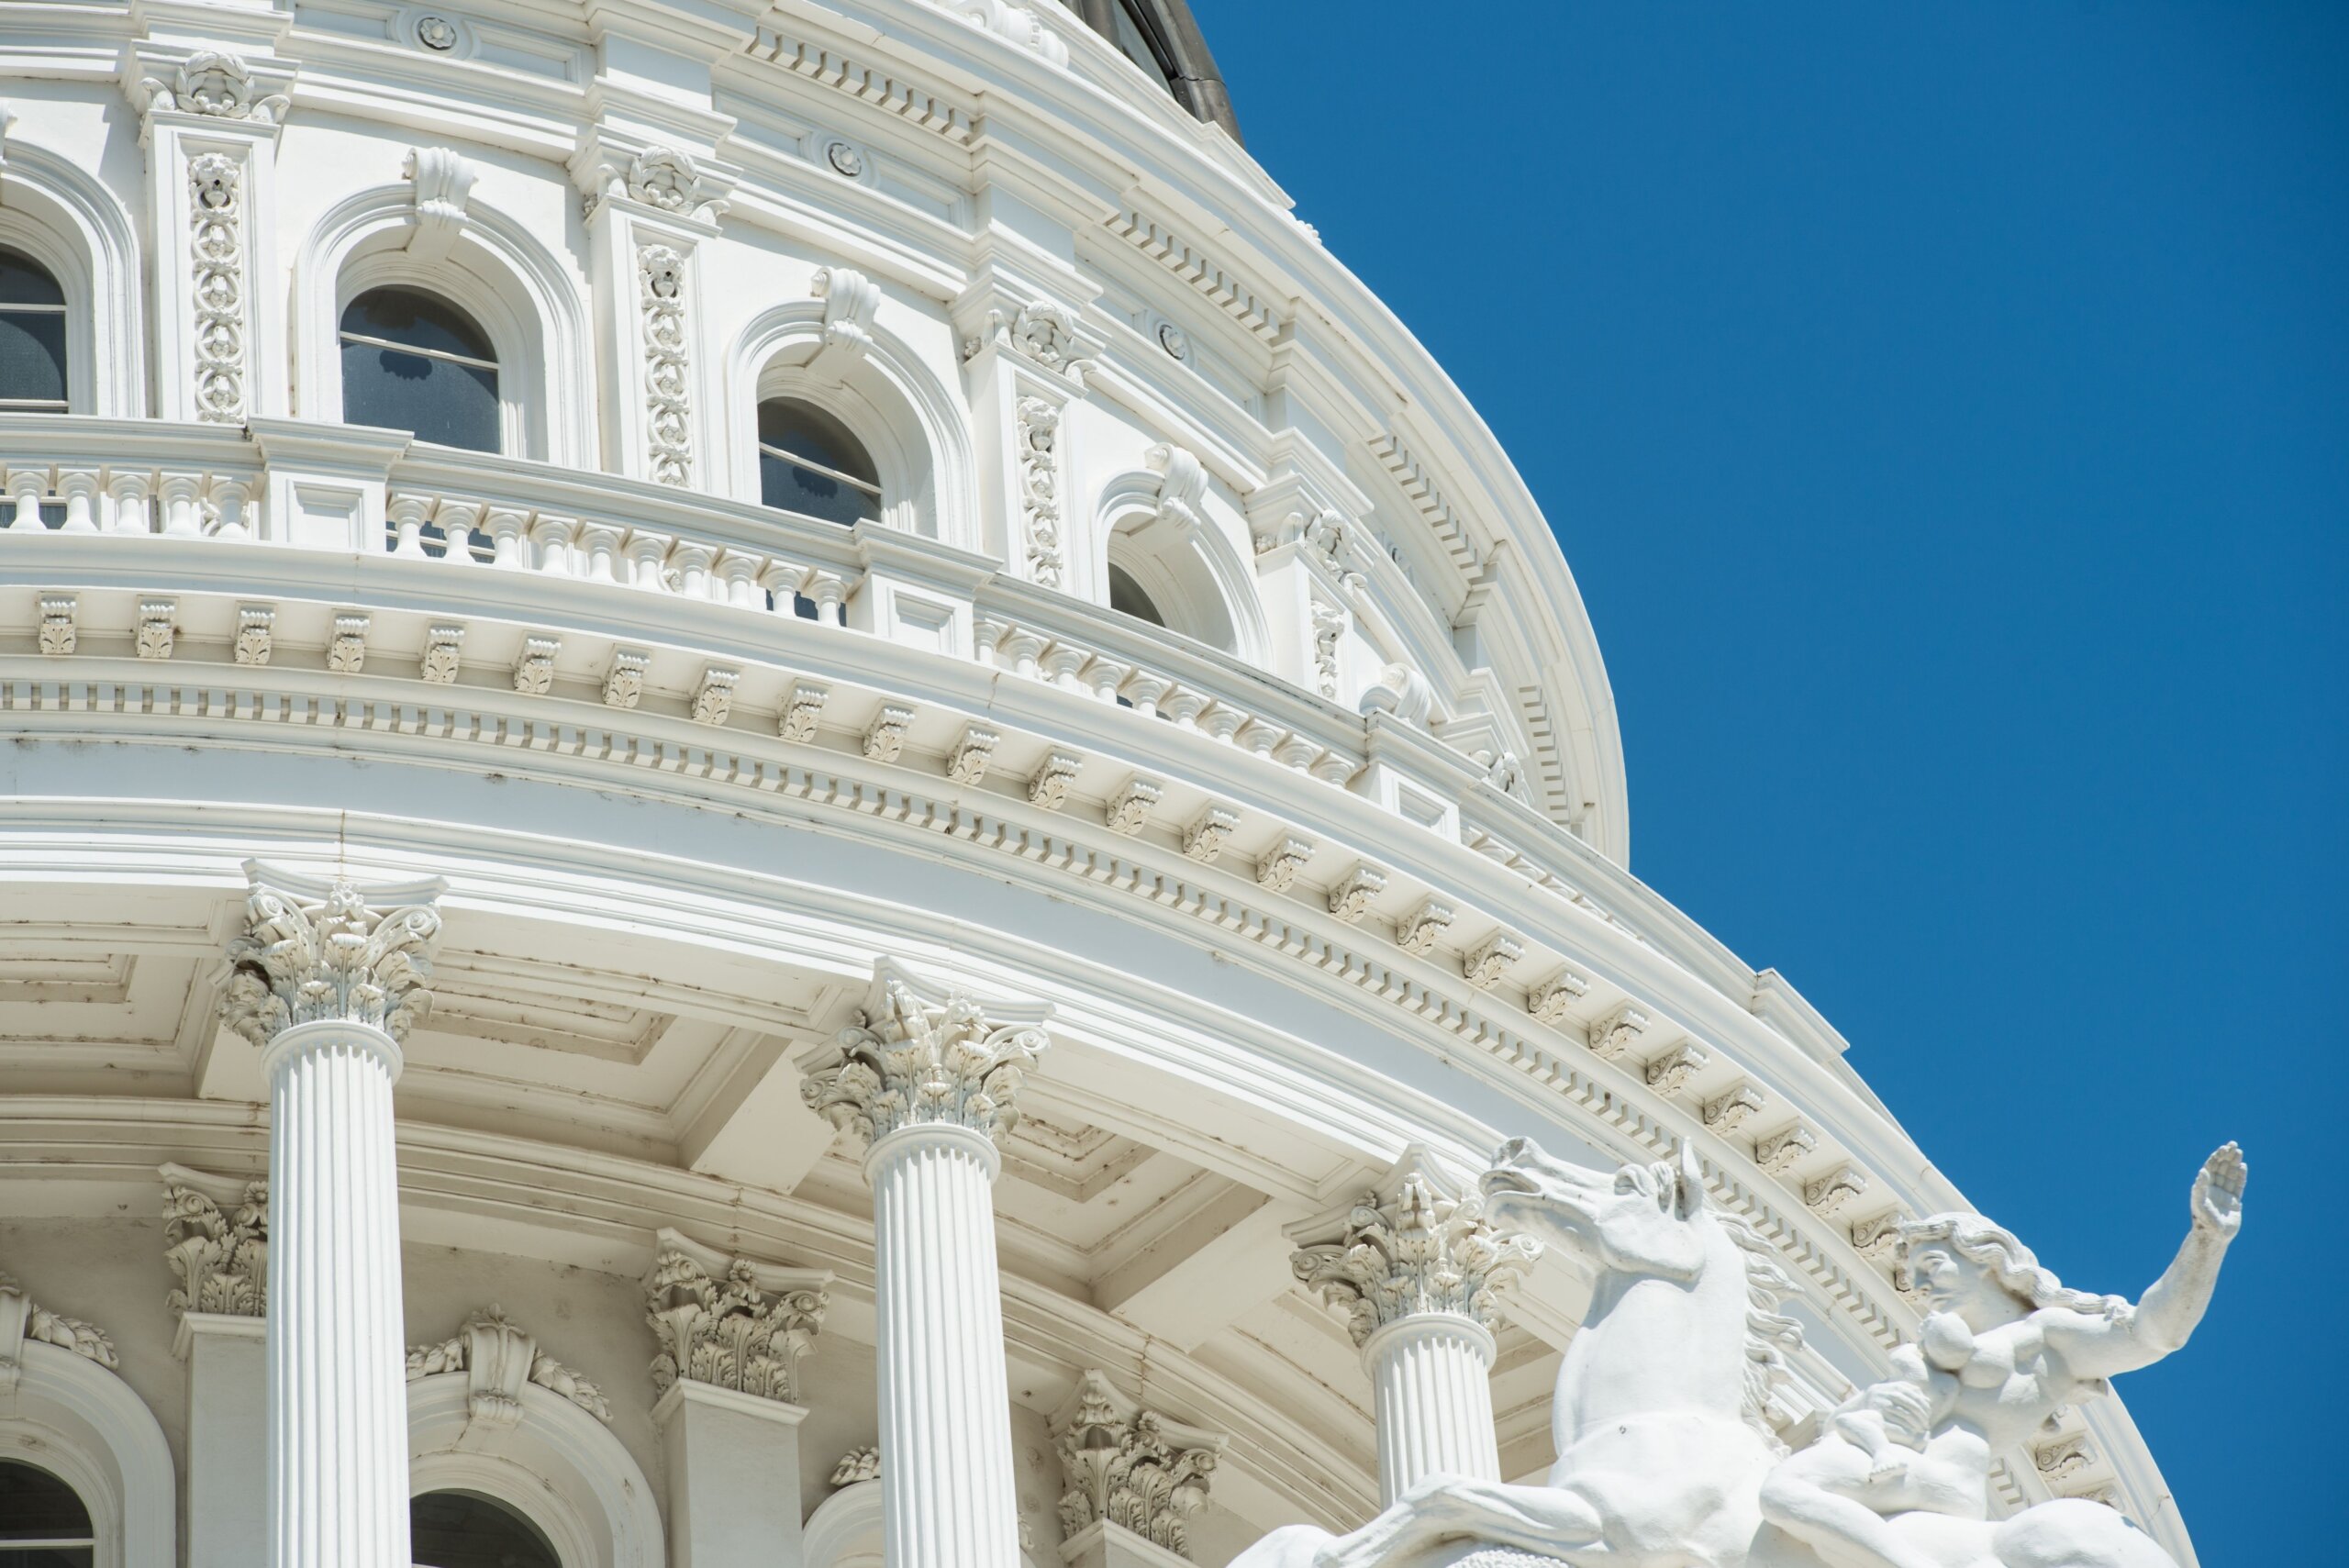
<point x="1126" y="598"/>
<point x="32" y="337"/>
<point x="413" y="363"/>
<point x="465" y="1529"/>
<point x="42" y="1523"/>
<point x="808" y="464"/>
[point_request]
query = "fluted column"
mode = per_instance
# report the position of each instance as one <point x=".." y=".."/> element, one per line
<point x="1414" y="1265"/>
<point x="931" y="1079"/>
<point x="326" y="980"/>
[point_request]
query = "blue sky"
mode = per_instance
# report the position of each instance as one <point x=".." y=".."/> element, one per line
<point x="1944" y="410"/>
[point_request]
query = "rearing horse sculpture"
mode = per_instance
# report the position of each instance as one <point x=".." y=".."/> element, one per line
<point x="1665" y="1457"/>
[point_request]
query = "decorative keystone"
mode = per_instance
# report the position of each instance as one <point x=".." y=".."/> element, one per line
<point x="1048" y="787"/>
<point x="918" y="1056"/>
<point x="1129" y="1467"/>
<point x="1553" y="1000"/>
<point x="1204" y="839"/>
<point x="1669" y="1073"/>
<point x="967" y="763"/>
<point x="1350" y="899"/>
<point x="253" y="626"/>
<point x="59" y="635"/>
<point x="803" y="710"/>
<point x="1832" y="1192"/>
<point x="442" y="643"/>
<point x="714" y="699"/>
<point x="624" y="682"/>
<point x="1483" y="964"/>
<point x="155" y="627"/>
<point x="1735" y="1109"/>
<point x="1415" y="1243"/>
<point x="313" y="950"/>
<point x="885" y="738"/>
<point x="217" y="1245"/>
<point x="1613" y="1035"/>
<point x="346" y="648"/>
<point x="497" y="1358"/>
<point x="1128" y="810"/>
<point x="1276" y="869"/>
<point x="1416" y="932"/>
<point x="534" y="666"/>
<point x="1782" y="1151"/>
<point x="730" y="1322"/>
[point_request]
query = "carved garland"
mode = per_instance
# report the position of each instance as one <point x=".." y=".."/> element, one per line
<point x="661" y="278"/>
<point x="1040" y="487"/>
<point x="215" y="216"/>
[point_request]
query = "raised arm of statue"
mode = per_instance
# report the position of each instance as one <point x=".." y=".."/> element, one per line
<point x="2100" y="1346"/>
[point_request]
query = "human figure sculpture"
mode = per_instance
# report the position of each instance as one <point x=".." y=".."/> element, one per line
<point x="1666" y="1458"/>
<point x="2004" y="1346"/>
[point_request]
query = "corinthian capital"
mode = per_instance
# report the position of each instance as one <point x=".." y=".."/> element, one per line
<point x="216" y="1237"/>
<point x="918" y="1055"/>
<point x="1416" y="1243"/>
<point x="730" y="1322"/>
<point x="313" y="950"/>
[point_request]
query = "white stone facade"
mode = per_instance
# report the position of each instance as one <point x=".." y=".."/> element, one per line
<point x="747" y="1039"/>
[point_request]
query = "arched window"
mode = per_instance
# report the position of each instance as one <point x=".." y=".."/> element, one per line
<point x="413" y="363"/>
<point x="810" y="464"/>
<point x="465" y="1529"/>
<point x="43" y="1524"/>
<point x="1128" y="597"/>
<point x="32" y="337"/>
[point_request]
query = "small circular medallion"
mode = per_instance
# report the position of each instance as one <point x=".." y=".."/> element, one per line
<point x="1171" y="337"/>
<point x="437" y="33"/>
<point x="845" y="158"/>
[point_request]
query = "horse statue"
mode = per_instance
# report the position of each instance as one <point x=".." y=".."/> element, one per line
<point x="1665" y="1457"/>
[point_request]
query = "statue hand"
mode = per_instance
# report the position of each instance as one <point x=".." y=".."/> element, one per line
<point x="2217" y="1201"/>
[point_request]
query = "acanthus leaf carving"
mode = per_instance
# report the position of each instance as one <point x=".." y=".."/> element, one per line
<point x="497" y="1357"/>
<point x="443" y="181"/>
<point x="1130" y="1466"/>
<point x="912" y="1058"/>
<point x="730" y="1322"/>
<point x="308" y="954"/>
<point x="218" y="86"/>
<point x="22" y="1319"/>
<point x="1417" y="1243"/>
<point x="220" y="1253"/>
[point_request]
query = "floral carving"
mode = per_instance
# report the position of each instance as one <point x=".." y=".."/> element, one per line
<point x="1048" y="787"/>
<point x="216" y="85"/>
<point x="59" y="633"/>
<point x="302" y="959"/>
<point x="1040" y="487"/>
<point x="1328" y="625"/>
<point x="661" y="278"/>
<point x="220" y="1256"/>
<point x="803" y="711"/>
<point x="498" y="1357"/>
<point x="254" y="623"/>
<point x="1131" y="1467"/>
<point x="442" y="646"/>
<point x="1417" y="1249"/>
<point x="624" y="682"/>
<point x="216" y="220"/>
<point x="967" y="763"/>
<point x="908" y="1062"/>
<point x="728" y="1332"/>
<point x="1204" y="839"/>
<point x="857" y="1464"/>
<point x="1277" y="870"/>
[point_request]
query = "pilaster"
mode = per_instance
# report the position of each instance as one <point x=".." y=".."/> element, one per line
<point x="1024" y="357"/>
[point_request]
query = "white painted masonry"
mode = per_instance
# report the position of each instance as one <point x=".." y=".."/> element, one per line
<point x="746" y="1039"/>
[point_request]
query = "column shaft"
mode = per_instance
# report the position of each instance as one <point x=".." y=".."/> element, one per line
<point x="946" y="1472"/>
<point x="1432" y="1378"/>
<point x="338" y="1387"/>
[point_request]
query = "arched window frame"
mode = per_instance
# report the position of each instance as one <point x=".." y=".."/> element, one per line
<point x="57" y="214"/>
<point x="558" y="1467"/>
<point x="530" y="304"/>
<point x="1195" y="575"/>
<point x="914" y="428"/>
<point x="83" y="1425"/>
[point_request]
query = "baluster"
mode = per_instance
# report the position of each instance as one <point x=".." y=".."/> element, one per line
<point x="182" y="513"/>
<point x="551" y="537"/>
<point x="785" y="579"/>
<point x="647" y="553"/>
<point x="692" y="562"/>
<point x="80" y="488"/>
<point x="1022" y="646"/>
<point x="601" y="544"/>
<point x="740" y="573"/>
<point x="25" y="488"/>
<point x="829" y="590"/>
<point x="127" y="492"/>
<point x="1062" y="662"/>
<point x="1105" y="675"/>
<point x="229" y="499"/>
<point x="456" y="520"/>
<point x="1143" y="689"/>
<point x="509" y="537"/>
<point x="409" y="515"/>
